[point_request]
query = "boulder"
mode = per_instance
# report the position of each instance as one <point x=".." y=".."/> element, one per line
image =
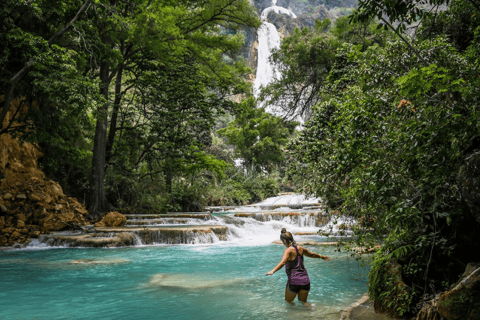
<point x="463" y="300"/>
<point x="2" y="222"/>
<point x="21" y="196"/>
<point x="21" y="217"/>
<point x="114" y="219"/>
<point x="20" y="224"/>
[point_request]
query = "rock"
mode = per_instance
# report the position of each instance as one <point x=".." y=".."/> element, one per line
<point x="21" y="217"/>
<point x="15" y="234"/>
<point x="9" y="222"/>
<point x="7" y="196"/>
<point x="428" y="309"/>
<point x="463" y="300"/>
<point x="34" y="234"/>
<point x="3" y="208"/>
<point x="2" y="222"/>
<point x="56" y="222"/>
<point x="398" y="299"/>
<point x="20" y="224"/>
<point x="37" y="197"/>
<point x="100" y="224"/>
<point x="114" y="219"/>
<point x="58" y="207"/>
<point x="48" y="199"/>
<point x="471" y="267"/>
<point x="8" y="230"/>
<point x="21" y="196"/>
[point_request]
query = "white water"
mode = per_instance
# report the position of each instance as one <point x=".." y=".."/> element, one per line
<point x="261" y="223"/>
<point x="268" y="40"/>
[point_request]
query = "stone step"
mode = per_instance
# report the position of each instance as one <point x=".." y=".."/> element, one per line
<point x="182" y="234"/>
<point x="144" y="222"/>
<point x="199" y="215"/>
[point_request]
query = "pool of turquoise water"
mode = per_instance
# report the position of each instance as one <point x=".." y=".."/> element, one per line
<point x="170" y="282"/>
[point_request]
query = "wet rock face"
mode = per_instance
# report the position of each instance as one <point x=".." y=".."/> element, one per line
<point x="463" y="300"/>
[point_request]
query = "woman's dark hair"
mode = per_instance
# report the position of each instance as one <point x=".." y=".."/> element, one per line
<point x="287" y="236"/>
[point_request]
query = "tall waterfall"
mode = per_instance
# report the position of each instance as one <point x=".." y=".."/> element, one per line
<point x="268" y="39"/>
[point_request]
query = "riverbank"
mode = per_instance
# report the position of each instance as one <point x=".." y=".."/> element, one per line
<point x="362" y="310"/>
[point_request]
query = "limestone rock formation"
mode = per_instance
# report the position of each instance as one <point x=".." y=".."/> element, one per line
<point x="287" y="25"/>
<point x="112" y="219"/>
<point x="30" y="203"/>
<point x="463" y="300"/>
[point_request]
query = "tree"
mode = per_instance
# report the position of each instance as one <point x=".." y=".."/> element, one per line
<point x="386" y="145"/>
<point x="306" y="58"/>
<point x="258" y="136"/>
<point x="125" y="30"/>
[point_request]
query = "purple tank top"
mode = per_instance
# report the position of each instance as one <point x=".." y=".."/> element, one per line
<point x="296" y="272"/>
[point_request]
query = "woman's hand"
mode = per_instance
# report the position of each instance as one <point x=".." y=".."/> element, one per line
<point x="325" y="258"/>
<point x="269" y="273"/>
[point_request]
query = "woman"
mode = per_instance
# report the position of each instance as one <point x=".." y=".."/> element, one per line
<point x="298" y="280"/>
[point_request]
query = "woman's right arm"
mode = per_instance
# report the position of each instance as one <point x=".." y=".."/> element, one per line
<point x="280" y="265"/>
<point x="314" y="255"/>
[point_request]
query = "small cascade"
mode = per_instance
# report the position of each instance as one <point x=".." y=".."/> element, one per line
<point x="255" y="224"/>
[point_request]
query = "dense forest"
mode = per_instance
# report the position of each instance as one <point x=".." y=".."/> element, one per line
<point x="145" y="106"/>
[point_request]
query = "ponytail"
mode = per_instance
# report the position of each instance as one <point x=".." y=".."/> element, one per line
<point x="287" y="236"/>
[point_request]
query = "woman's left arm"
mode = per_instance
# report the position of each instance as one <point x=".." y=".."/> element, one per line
<point x="279" y="266"/>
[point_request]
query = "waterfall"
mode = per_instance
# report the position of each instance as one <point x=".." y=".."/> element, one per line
<point x="268" y="40"/>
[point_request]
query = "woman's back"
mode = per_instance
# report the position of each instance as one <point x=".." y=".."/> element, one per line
<point x="295" y="269"/>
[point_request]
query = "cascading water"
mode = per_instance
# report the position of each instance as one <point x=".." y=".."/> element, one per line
<point x="257" y="224"/>
<point x="268" y="40"/>
<point x="218" y="272"/>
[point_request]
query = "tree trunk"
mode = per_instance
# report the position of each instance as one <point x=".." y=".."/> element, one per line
<point x="97" y="200"/>
<point x="116" y="109"/>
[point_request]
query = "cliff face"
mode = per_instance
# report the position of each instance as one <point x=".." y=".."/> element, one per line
<point x="307" y="11"/>
<point x="305" y="6"/>
<point x="30" y="203"/>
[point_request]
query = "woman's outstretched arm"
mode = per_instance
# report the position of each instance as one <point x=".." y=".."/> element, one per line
<point x="280" y="265"/>
<point x="314" y="255"/>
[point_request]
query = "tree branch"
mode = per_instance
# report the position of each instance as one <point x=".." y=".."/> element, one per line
<point x="20" y="74"/>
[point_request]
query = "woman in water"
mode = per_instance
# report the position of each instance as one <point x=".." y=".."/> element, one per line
<point x="298" y="280"/>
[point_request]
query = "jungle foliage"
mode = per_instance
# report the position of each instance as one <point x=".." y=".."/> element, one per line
<point x="128" y="94"/>
<point x="393" y="137"/>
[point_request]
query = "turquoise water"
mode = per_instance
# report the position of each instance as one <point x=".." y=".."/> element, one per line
<point x="170" y="282"/>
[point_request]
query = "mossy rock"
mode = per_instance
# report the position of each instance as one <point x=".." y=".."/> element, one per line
<point x="463" y="300"/>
